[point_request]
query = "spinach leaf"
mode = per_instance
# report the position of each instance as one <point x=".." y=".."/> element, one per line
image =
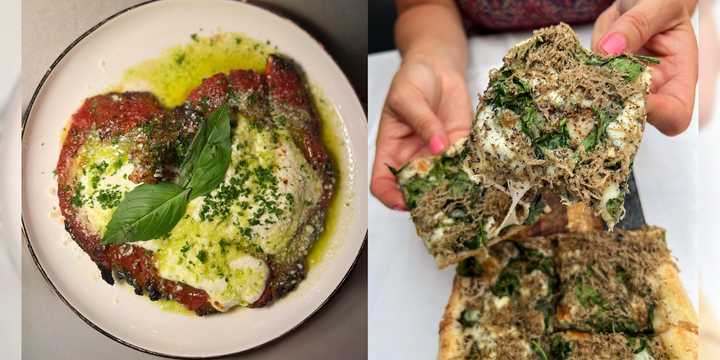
<point x="393" y="170"/>
<point x="559" y="348"/>
<point x="209" y="154"/>
<point x="510" y="92"/>
<point x="638" y="344"/>
<point x="614" y="324"/>
<point x="588" y="296"/>
<point x="469" y="317"/>
<point x="507" y="284"/>
<point x="628" y="67"/>
<point x="413" y="189"/>
<point x="530" y="122"/>
<point x="614" y="207"/>
<point x="602" y="120"/>
<point x="537" y="209"/>
<point x="147" y="212"/>
<point x="469" y="267"/>
<point x="647" y="58"/>
<point x="480" y="239"/>
<point x="537" y="348"/>
<point x="554" y="140"/>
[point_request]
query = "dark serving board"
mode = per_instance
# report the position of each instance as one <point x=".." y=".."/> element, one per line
<point x="634" y="217"/>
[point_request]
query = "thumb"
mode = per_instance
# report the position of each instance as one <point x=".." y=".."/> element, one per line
<point x="639" y="23"/>
<point x="410" y="104"/>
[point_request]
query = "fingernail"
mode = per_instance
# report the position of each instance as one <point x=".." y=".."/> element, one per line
<point x="613" y="44"/>
<point x="436" y="144"/>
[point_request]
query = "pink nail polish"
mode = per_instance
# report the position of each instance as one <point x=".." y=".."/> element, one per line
<point x="436" y="144"/>
<point x="613" y="44"/>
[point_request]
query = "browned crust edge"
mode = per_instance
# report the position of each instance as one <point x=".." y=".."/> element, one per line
<point x="450" y="334"/>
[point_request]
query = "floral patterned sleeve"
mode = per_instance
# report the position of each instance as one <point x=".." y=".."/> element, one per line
<point x="501" y="15"/>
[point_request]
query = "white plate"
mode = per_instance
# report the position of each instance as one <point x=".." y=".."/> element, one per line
<point x="126" y="39"/>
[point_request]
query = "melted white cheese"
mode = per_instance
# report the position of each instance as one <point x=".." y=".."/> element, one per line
<point x="612" y="191"/>
<point x="644" y="355"/>
<point x="214" y="253"/>
<point x="493" y="135"/>
<point x="516" y="191"/>
<point x="102" y="169"/>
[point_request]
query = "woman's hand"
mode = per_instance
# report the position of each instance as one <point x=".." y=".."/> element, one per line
<point x="659" y="28"/>
<point x="428" y="106"/>
<point x="426" y="110"/>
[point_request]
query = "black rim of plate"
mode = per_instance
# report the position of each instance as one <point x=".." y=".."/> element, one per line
<point x="25" y="118"/>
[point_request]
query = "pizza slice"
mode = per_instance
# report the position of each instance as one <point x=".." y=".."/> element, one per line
<point x="550" y="149"/>
<point x="556" y="115"/>
<point x="501" y="304"/>
<point x="535" y="298"/>
<point x="574" y="345"/>
<point x="622" y="281"/>
<point x="458" y="216"/>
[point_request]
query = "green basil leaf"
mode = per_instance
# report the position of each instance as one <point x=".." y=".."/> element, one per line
<point x="193" y="152"/>
<point x="147" y="212"/>
<point x="209" y="156"/>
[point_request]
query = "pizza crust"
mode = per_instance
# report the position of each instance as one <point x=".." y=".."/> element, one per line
<point x="451" y="338"/>
<point x="680" y="343"/>
<point x="675" y="323"/>
<point x="674" y="308"/>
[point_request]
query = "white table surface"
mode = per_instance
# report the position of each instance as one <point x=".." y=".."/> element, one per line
<point x="407" y="294"/>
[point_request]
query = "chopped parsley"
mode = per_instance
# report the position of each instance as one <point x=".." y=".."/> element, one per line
<point x="109" y="198"/>
<point x="202" y="255"/>
<point x="78" y="199"/>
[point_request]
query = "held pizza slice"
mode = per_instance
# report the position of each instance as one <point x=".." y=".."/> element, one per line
<point x="458" y="216"/>
<point x="556" y="115"/>
<point x="534" y="299"/>
<point x="554" y="119"/>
